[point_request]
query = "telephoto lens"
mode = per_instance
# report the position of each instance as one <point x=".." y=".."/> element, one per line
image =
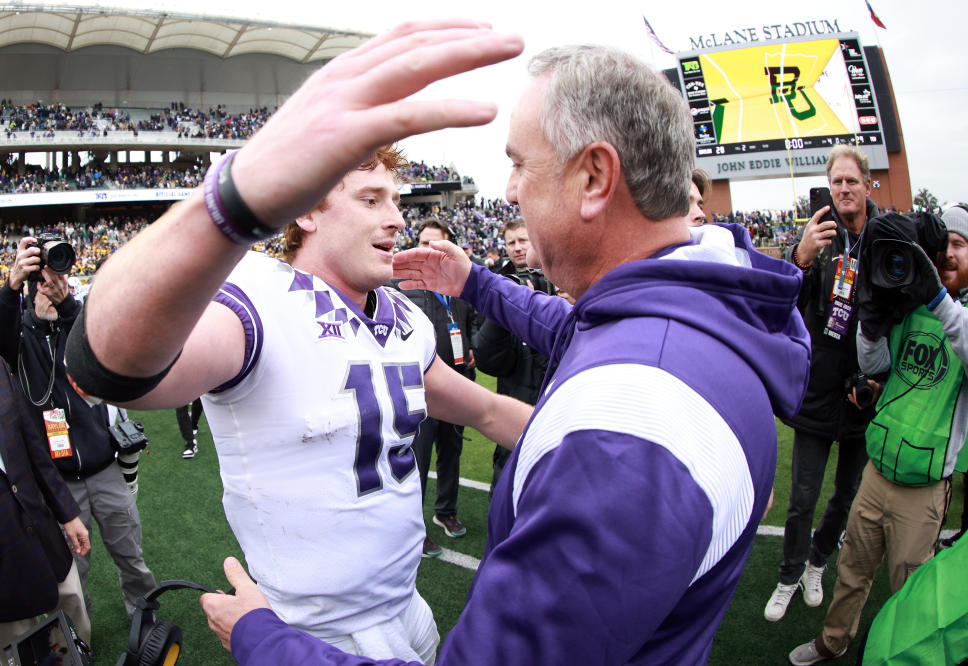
<point x="58" y="255"/>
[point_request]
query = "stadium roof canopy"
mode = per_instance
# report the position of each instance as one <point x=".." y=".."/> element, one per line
<point x="72" y="27"/>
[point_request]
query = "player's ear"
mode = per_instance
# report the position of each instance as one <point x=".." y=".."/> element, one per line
<point x="306" y="223"/>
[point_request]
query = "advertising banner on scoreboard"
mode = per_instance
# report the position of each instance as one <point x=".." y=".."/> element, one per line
<point x="774" y="108"/>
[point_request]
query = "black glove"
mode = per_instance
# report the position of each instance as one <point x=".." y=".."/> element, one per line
<point x="927" y="287"/>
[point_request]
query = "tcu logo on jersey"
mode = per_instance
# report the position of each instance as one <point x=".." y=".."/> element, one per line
<point x="381" y="329"/>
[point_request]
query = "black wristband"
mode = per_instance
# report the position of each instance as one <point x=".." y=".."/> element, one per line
<point x="90" y="376"/>
<point x="228" y="210"/>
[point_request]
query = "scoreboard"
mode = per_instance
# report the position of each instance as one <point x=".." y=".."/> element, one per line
<point x="778" y="108"/>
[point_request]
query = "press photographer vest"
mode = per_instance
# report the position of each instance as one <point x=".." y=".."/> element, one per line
<point x="908" y="439"/>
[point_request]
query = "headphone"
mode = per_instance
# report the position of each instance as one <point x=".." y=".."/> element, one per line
<point x="154" y="643"/>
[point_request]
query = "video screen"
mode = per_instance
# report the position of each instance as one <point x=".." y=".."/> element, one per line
<point x="781" y="96"/>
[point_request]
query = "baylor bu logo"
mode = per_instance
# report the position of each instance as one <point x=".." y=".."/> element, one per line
<point x="924" y="360"/>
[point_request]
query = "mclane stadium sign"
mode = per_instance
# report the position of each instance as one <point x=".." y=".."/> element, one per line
<point x="754" y="34"/>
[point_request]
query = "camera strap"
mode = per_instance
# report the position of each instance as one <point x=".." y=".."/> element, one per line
<point x="22" y="372"/>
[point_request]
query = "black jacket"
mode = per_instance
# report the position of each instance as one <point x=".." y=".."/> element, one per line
<point x="31" y="347"/>
<point x="825" y="411"/>
<point x="33" y="499"/>
<point x="464" y="315"/>
<point x="518" y="367"/>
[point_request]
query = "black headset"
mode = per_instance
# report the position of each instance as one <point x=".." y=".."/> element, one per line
<point x="154" y="643"/>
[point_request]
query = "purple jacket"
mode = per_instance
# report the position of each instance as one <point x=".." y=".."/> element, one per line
<point x="620" y="527"/>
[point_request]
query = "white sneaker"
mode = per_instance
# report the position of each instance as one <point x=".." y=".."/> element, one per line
<point x="777" y="605"/>
<point x="806" y="654"/>
<point x="812" y="583"/>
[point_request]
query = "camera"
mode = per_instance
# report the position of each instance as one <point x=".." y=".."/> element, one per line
<point x="129" y="436"/>
<point x="892" y="263"/>
<point x="865" y="394"/>
<point x="55" y="253"/>
<point x="535" y="278"/>
<point x="892" y="240"/>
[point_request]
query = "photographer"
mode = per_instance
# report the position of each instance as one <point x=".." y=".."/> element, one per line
<point x="33" y="335"/>
<point x="921" y="416"/>
<point x="826" y="252"/>
<point x="519" y="368"/>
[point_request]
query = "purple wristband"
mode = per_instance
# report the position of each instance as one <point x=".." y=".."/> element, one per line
<point x="227" y="208"/>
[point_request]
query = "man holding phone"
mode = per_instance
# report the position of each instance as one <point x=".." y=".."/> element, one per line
<point x="826" y="252"/>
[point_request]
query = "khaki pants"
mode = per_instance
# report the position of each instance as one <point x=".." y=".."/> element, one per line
<point x="70" y="599"/>
<point x="885" y="518"/>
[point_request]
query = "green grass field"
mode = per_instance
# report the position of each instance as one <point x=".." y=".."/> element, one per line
<point x="186" y="537"/>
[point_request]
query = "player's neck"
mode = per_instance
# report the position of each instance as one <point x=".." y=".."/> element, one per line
<point x="331" y="278"/>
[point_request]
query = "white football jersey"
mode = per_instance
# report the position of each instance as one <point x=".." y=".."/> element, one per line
<point x="313" y="439"/>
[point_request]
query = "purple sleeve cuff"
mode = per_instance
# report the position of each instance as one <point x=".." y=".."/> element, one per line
<point x="232" y="297"/>
<point x="261" y="638"/>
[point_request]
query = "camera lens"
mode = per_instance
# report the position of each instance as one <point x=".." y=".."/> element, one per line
<point x="59" y="256"/>
<point x="895" y="265"/>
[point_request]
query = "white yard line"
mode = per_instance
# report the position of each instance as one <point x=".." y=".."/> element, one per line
<point x="468" y="562"/>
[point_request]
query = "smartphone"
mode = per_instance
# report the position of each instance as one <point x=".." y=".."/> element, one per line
<point x="820" y="197"/>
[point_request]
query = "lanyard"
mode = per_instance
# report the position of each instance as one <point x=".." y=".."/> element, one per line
<point x="846" y="260"/>
<point x="445" y="301"/>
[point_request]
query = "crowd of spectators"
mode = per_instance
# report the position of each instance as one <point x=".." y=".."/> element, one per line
<point x="768" y="228"/>
<point x="477" y="223"/>
<point x="42" y="120"/>
<point x="133" y="176"/>
<point x="129" y="176"/>
<point x="419" y="172"/>
<point x="92" y="242"/>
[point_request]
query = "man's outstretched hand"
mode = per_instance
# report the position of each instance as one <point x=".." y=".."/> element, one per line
<point x="224" y="610"/>
<point x="442" y="268"/>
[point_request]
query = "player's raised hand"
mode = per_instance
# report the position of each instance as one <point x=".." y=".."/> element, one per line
<point x="443" y="267"/>
<point x="358" y="102"/>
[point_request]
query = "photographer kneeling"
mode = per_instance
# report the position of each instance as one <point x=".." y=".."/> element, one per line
<point x="33" y="336"/>
<point x="913" y="330"/>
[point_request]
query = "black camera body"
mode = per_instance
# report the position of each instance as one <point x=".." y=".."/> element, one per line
<point x="535" y="278"/>
<point x="129" y="436"/>
<point x="892" y="239"/>
<point x="55" y="253"/>
<point x="865" y="394"/>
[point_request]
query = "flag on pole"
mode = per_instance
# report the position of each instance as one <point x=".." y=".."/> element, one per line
<point x="655" y="37"/>
<point x="878" y="22"/>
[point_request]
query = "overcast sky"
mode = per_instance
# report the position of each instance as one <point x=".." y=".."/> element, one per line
<point x="925" y="45"/>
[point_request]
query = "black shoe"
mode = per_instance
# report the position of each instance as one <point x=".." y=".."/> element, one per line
<point x="452" y="526"/>
<point x="191" y="448"/>
<point x="430" y="549"/>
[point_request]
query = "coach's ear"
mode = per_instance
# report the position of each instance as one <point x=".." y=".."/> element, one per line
<point x="599" y="170"/>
